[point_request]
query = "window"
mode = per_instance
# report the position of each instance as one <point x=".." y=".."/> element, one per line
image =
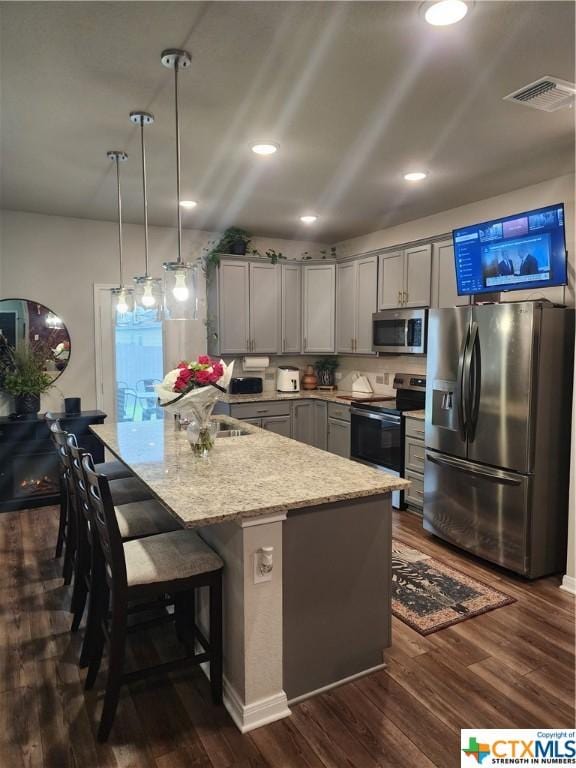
<point x="138" y="365"/>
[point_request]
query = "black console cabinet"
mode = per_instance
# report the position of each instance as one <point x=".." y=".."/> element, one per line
<point x="29" y="474"/>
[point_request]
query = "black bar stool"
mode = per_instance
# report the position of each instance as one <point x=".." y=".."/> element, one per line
<point x="135" y="520"/>
<point x="169" y="564"/>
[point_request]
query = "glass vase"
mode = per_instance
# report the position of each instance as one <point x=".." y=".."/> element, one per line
<point x="202" y="429"/>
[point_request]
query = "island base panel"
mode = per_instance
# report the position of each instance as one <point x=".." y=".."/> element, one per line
<point x="336" y="591"/>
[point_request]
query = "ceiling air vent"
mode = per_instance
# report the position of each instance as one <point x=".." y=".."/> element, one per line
<point x="547" y="93"/>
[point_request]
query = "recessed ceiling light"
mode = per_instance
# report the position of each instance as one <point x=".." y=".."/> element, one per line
<point x="415" y="176"/>
<point x="446" y="12"/>
<point x="308" y="219"/>
<point x="265" y="148"/>
<point x="188" y="204"/>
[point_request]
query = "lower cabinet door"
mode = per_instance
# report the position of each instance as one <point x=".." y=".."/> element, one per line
<point x="320" y="424"/>
<point x="303" y="422"/>
<point x="280" y="425"/>
<point x="339" y="437"/>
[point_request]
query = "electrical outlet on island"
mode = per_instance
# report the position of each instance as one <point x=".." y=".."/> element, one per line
<point x="379" y="379"/>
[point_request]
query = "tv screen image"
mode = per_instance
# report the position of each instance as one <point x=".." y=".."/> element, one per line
<point x="520" y="252"/>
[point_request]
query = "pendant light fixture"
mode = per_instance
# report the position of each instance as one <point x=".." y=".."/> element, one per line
<point x="122" y="297"/>
<point x="180" y="297"/>
<point x="148" y="291"/>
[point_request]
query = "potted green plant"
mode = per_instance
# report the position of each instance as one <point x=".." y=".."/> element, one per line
<point x="326" y="370"/>
<point x="23" y="375"/>
<point x="234" y="240"/>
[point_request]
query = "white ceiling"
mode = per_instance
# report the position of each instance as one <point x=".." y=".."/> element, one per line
<point x="355" y="93"/>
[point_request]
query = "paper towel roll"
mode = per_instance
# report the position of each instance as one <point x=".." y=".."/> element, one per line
<point x="255" y="363"/>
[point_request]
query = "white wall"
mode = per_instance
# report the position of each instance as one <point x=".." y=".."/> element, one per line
<point x="57" y="260"/>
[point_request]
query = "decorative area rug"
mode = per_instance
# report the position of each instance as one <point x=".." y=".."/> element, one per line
<point x="429" y="595"/>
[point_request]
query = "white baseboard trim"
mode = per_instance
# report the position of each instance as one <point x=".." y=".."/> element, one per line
<point x="569" y="584"/>
<point x="343" y="681"/>
<point x="247" y="717"/>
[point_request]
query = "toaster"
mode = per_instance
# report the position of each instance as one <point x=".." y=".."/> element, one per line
<point x="288" y="379"/>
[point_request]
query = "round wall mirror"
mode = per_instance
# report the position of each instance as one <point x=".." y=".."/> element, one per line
<point x="27" y="326"/>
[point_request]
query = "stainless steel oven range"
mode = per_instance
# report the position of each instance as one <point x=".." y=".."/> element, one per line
<point x="377" y="426"/>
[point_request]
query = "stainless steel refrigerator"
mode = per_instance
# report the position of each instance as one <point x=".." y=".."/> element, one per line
<point x="498" y="405"/>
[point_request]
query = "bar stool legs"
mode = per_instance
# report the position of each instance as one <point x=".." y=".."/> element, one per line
<point x="115" y="665"/>
<point x="63" y="518"/>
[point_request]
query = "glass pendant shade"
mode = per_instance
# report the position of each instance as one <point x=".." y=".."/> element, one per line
<point x="148" y="293"/>
<point x="122" y="301"/>
<point x="180" y="291"/>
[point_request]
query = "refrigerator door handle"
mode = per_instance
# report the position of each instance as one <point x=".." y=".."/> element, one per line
<point x="492" y="475"/>
<point x="460" y="400"/>
<point x="467" y="380"/>
<point x="476" y="382"/>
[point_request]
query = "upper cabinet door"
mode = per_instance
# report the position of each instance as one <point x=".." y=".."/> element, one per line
<point x="346" y="306"/>
<point x="366" y="290"/>
<point x="233" y="305"/>
<point x="264" y="308"/>
<point x="444" y="278"/>
<point x="291" y="308"/>
<point x="391" y="280"/>
<point x="319" y="306"/>
<point x="418" y="276"/>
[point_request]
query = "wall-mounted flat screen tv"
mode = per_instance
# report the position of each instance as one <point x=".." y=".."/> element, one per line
<point x="520" y="252"/>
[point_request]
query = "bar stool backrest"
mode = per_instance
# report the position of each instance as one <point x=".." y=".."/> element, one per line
<point x="76" y="455"/>
<point x="59" y="438"/>
<point x="106" y="525"/>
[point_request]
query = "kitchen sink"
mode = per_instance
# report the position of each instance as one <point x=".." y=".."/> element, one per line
<point x="232" y="433"/>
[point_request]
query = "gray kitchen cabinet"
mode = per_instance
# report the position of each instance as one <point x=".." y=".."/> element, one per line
<point x="417" y="275"/>
<point x="404" y="277"/>
<point x="346" y="302"/>
<point x="264" y="308"/>
<point x="303" y="421"/>
<point x="444" y="292"/>
<point x="356" y="287"/>
<point x="366" y="293"/>
<point x="291" y="279"/>
<point x="414" y="431"/>
<point x="243" y="313"/>
<point x="319" y="305"/>
<point x="280" y="425"/>
<point x="390" y="280"/>
<point x="339" y="437"/>
<point x="320" y="424"/>
<point x="233" y="307"/>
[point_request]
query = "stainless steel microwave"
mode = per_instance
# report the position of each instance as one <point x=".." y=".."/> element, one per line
<point x="402" y="331"/>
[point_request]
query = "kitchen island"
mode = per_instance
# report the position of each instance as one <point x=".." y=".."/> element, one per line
<point x="321" y="614"/>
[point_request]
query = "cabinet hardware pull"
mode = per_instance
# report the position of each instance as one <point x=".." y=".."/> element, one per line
<point x="399" y="297"/>
<point x="352" y="344"/>
<point x="406" y="297"/>
<point x="305" y="343"/>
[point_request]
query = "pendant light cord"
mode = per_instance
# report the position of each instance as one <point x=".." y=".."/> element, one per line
<point x="117" y="161"/>
<point x="144" y="187"/>
<point x="178" y="208"/>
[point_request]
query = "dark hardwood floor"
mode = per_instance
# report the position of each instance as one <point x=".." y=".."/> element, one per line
<point x="513" y="667"/>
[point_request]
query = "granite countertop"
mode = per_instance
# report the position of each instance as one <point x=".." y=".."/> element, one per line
<point x="420" y="415"/>
<point x="304" y="394"/>
<point x="255" y="474"/>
